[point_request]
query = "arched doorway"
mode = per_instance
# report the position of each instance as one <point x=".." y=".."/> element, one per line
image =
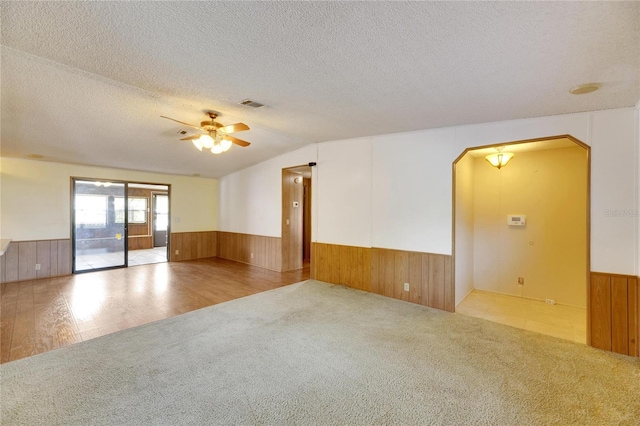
<point x="521" y="235"/>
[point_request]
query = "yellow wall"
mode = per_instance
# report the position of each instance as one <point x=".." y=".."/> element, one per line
<point x="550" y="187"/>
<point x="464" y="244"/>
<point x="36" y="197"/>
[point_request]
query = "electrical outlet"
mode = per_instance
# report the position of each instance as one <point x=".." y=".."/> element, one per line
<point x="406" y="286"/>
<point x="38" y="266"/>
<point x="550" y="302"/>
<point x="252" y="255"/>
<point x="177" y="251"/>
<point x="520" y="280"/>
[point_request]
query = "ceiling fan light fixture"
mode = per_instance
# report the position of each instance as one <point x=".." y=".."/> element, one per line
<point x="217" y="138"/>
<point x="217" y="149"/>
<point x="206" y="141"/>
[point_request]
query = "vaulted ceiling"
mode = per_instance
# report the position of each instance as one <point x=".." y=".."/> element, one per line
<point x="86" y="82"/>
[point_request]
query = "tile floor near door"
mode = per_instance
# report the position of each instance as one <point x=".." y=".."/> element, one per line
<point x="565" y="322"/>
<point x="102" y="258"/>
<point x="145" y="257"/>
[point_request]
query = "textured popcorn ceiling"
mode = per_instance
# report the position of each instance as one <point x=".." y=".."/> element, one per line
<point x="86" y="82"/>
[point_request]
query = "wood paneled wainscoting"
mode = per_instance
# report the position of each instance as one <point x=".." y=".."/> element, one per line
<point x="614" y="304"/>
<point x="257" y="250"/>
<point x="193" y="245"/>
<point x="385" y="272"/>
<point x="20" y="260"/>
<point x="346" y="265"/>
<point x="140" y="242"/>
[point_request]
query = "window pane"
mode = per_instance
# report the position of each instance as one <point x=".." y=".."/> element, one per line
<point x="139" y="216"/>
<point x="137" y="210"/>
<point x="161" y="213"/>
<point x="162" y="222"/>
<point x="118" y="204"/>
<point x="91" y="211"/>
<point x="162" y="204"/>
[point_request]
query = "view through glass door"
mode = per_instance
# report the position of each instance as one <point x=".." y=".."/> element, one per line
<point x="99" y="225"/>
<point x="160" y="219"/>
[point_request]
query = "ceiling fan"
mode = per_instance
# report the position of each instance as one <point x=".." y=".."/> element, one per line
<point x="217" y="138"/>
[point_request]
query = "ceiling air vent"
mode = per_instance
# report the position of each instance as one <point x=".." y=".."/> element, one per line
<point x="182" y="132"/>
<point x="251" y="103"/>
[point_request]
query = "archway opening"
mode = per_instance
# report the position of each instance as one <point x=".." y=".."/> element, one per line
<point x="521" y="235"/>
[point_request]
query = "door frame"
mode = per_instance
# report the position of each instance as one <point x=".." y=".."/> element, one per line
<point x="72" y="179"/>
<point x="73" y="225"/>
<point x="588" y="213"/>
<point x="153" y="217"/>
<point x="284" y="231"/>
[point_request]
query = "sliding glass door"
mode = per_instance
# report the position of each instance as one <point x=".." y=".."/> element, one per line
<point x="99" y="225"/>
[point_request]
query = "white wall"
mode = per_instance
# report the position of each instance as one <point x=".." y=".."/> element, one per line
<point x="638" y="184"/>
<point x="464" y="244"/>
<point x="251" y="199"/>
<point x="412" y="178"/>
<point x="36" y="198"/>
<point x="410" y="185"/>
<point x="344" y="191"/>
<point x="613" y="191"/>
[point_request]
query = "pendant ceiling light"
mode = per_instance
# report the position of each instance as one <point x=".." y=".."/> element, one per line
<point x="499" y="159"/>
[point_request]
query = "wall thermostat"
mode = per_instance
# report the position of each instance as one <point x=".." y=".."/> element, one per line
<point x="516" y="219"/>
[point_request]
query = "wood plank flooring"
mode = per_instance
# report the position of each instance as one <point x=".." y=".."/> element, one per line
<point x="40" y="315"/>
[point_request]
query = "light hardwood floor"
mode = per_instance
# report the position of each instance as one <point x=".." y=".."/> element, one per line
<point x="40" y="315"/>
<point x="564" y="322"/>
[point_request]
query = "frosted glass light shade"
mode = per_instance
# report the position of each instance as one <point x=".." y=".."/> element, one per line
<point x="217" y="148"/>
<point x="206" y="141"/>
<point x="499" y="159"/>
<point x="197" y="144"/>
<point x="225" y="145"/>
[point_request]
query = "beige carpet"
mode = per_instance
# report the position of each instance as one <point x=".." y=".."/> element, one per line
<point x="313" y="353"/>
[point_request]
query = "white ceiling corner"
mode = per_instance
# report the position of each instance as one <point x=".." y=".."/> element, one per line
<point x="86" y="82"/>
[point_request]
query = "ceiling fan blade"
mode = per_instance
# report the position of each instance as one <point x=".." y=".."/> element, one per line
<point x="190" y="138"/>
<point x="181" y="122"/>
<point x="233" y="128"/>
<point x="237" y="141"/>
